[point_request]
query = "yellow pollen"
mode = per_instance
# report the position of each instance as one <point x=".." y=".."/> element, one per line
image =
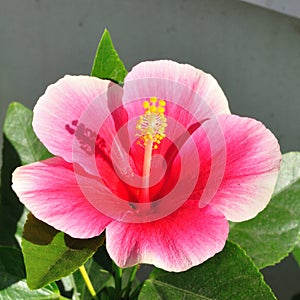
<point x="160" y="110"/>
<point x="146" y="104"/>
<point x="162" y="102"/>
<point x="152" y="124"/>
<point x="153" y="99"/>
<point x="153" y="109"/>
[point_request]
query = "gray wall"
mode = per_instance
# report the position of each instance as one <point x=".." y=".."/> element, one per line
<point x="288" y="7"/>
<point x="253" y="52"/>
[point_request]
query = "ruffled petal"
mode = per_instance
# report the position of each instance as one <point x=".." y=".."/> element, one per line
<point x="165" y="79"/>
<point x="237" y="174"/>
<point x="49" y="189"/>
<point x="57" y="113"/>
<point x="175" y="243"/>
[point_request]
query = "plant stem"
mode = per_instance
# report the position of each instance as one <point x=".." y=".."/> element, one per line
<point x="87" y="281"/>
<point x="130" y="281"/>
<point x="118" y="277"/>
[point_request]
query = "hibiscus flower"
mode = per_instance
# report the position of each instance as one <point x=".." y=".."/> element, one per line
<point x="160" y="164"/>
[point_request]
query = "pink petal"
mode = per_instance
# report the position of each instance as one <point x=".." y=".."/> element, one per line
<point x="49" y="189"/>
<point x="58" y="111"/>
<point x="176" y="243"/>
<point x="245" y="170"/>
<point x="170" y="76"/>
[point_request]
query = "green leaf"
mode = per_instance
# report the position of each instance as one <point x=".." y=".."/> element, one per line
<point x="12" y="267"/>
<point x="10" y="208"/>
<point x="296" y="253"/>
<point x="18" y="130"/>
<point x="20" y="226"/>
<point x="230" y="274"/>
<point x="50" y="254"/>
<point x="12" y="283"/>
<point x="20" y="290"/>
<point x="107" y="63"/>
<point x="272" y="235"/>
<point x="157" y="290"/>
<point x="21" y="146"/>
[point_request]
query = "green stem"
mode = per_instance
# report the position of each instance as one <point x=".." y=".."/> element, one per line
<point x="87" y="281"/>
<point x="130" y="281"/>
<point x="118" y="277"/>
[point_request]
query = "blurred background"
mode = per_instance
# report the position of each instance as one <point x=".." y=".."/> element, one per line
<point x="253" y="51"/>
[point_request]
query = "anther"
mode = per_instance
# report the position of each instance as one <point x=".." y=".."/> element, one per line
<point x="151" y="125"/>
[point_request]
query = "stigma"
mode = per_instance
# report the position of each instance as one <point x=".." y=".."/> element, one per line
<point x="152" y="124"/>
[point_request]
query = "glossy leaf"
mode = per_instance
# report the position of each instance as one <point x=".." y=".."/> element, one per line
<point x="12" y="267"/>
<point x="13" y="285"/>
<point x="20" y="290"/>
<point x="157" y="290"/>
<point x="50" y="254"/>
<point x="20" y="146"/>
<point x="229" y="275"/>
<point x="107" y="63"/>
<point x="10" y="208"/>
<point x="20" y="226"/>
<point x="296" y="253"/>
<point x="18" y="130"/>
<point x="273" y="234"/>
